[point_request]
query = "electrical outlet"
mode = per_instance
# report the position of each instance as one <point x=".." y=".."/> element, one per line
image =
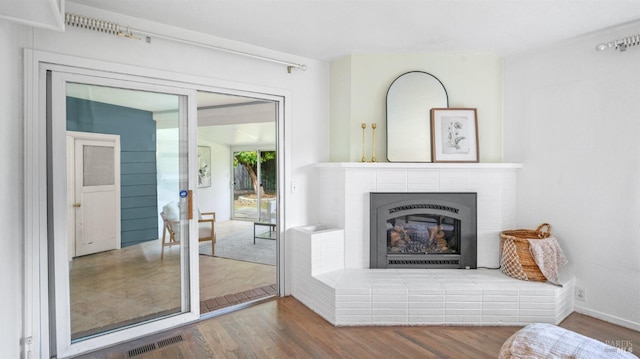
<point x="581" y="294"/>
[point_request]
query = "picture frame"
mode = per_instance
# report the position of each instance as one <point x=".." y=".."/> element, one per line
<point x="454" y="135"/>
<point x="204" y="166"/>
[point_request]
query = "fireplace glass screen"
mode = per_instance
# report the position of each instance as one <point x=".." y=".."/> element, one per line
<point x="423" y="234"/>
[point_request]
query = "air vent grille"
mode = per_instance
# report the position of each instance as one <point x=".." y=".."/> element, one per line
<point x="153" y="346"/>
<point x="423" y="261"/>
<point x="141" y="350"/>
<point x="432" y="206"/>
<point x="169" y="341"/>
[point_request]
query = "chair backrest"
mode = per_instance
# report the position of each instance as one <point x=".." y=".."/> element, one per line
<point x="172" y="211"/>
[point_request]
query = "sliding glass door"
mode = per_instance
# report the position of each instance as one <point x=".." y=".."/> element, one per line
<point x="121" y="172"/>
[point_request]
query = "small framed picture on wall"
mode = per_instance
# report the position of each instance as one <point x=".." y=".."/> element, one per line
<point x="204" y="166"/>
<point x="454" y="135"/>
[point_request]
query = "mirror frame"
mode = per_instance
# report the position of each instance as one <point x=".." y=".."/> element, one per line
<point x="425" y="124"/>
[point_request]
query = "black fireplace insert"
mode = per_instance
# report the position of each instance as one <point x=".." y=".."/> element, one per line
<point x="423" y="230"/>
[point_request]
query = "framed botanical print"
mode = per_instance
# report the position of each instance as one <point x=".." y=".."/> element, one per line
<point x="454" y="135"/>
<point x="204" y="166"/>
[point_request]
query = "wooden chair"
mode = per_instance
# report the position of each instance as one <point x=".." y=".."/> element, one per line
<point x="170" y="228"/>
<point x="206" y="230"/>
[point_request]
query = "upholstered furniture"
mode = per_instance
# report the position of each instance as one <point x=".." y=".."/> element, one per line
<point x="171" y="218"/>
<point x="542" y="340"/>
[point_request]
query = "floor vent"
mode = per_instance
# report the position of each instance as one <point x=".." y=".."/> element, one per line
<point x="423" y="261"/>
<point x="166" y="342"/>
<point x="141" y="350"/>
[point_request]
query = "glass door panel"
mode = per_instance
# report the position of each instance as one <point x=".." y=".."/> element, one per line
<point x="122" y="259"/>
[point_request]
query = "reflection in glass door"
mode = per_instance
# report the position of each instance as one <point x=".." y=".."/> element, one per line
<point x="122" y="259"/>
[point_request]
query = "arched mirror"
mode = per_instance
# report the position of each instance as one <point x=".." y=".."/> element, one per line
<point x="410" y="98"/>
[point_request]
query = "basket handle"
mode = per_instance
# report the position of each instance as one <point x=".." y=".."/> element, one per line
<point x="541" y="233"/>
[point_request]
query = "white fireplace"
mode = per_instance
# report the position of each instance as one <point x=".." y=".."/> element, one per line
<point x="330" y="262"/>
<point x="345" y="189"/>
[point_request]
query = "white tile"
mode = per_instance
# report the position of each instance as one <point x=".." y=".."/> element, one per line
<point x="537" y="318"/>
<point x="425" y="305"/>
<point x="500" y="311"/>
<point x="500" y="305"/>
<point x="353" y="298"/>
<point x="389" y="298"/>
<point x="426" y="311"/>
<point x="347" y="320"/>
<point x="537" y="312"/>
<point x="391" y="181"/>
<point x="463" y="319"/>
<point x="352" y="311"/>
<point x="426" y="320"/>
<point x="422" y="181"/>
<point x="538" y="299"/>
<point x="500" y="319"/>
<point x="389" y="319"/>
<point x="463" y="306"/>
<point x="390" y="290"/>
<point x="537" y="306"/>
<point x="463" y="290"/>
<point x="426" y="291"/>
<point x="462" y="298"/>
<point x="350" y="304"/>
<point x="426" y="299"/>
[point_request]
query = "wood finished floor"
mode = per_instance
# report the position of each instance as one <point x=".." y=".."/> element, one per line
<point x="285" y="328"/>
<point x="104" y="293"/>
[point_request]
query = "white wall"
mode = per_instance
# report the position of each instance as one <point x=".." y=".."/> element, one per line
<point x="572" y="118"/>
<point x="217" y="198"/>
<point x="12" y="206"/>
<point x="359" y="85"/>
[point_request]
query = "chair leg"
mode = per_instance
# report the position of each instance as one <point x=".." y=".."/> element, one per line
<point x="164" y="236"/>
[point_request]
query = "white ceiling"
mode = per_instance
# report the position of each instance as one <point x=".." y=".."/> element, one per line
<point x="328" y="29"/>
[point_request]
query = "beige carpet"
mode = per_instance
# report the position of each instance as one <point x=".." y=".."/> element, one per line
<point x="235" y="241"/>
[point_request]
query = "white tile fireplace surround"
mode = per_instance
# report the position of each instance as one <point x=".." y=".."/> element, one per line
<point x="330" y="270"/>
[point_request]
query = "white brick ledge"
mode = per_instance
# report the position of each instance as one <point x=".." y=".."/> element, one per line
<point x="348" y="297"/>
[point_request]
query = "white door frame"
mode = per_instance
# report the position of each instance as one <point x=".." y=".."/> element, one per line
<point x="36" y="305"/>
<point x="72" y="182"/>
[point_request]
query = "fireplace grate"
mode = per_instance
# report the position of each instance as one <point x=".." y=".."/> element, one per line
<point x="414" y="206"/>
<point x="423" y="261"/>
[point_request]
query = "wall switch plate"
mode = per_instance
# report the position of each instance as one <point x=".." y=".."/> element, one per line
<point x="581" y="294"/>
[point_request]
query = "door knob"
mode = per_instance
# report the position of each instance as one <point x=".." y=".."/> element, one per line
<point x="77" y="205"/>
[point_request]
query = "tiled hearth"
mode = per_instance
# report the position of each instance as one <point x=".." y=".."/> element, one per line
<point x="415" y="296"/>
<point x="330" y="267"/>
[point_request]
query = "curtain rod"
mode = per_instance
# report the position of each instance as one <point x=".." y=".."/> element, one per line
<point x="621" y="44"/>
<point x="116" y="29"/>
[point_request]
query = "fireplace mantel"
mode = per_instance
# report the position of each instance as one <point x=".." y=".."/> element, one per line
<point x="416" y="165"/>
<point x="345" y="188"/>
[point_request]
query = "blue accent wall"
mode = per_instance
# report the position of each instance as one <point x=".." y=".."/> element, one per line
<point x="138" y="174"/>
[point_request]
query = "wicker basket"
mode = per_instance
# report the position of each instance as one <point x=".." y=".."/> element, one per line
<point x="516" y="260"/>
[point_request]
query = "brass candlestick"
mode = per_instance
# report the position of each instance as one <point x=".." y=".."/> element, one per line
<point x="373" y="144"/>
<point x="364" y="127"/>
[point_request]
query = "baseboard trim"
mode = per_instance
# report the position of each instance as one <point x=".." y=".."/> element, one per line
<point x="607" y="317"/>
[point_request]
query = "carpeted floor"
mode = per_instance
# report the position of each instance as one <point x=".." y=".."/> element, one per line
<point x="235" y="241"/>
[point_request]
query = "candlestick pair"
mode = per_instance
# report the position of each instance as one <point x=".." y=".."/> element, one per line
<point x="373" y="143"/>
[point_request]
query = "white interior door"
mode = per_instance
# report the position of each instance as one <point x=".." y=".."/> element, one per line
<point x="96" y="192"/>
